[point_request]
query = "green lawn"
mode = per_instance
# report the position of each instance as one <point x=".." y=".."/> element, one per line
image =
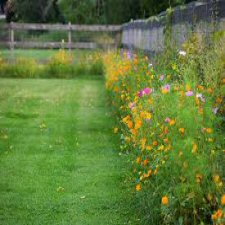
<point x="59" y="161"/>
<point x="42" y="55"/>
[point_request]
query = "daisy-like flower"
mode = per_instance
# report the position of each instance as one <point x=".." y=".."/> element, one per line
<point x="182" y="53"/>
<point x="200" y="96"/>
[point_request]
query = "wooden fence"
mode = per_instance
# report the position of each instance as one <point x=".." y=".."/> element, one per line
<point x="68" y="28"/>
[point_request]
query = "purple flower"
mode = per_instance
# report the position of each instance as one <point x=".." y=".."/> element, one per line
<point x="167" y="87"/>
<point x="129" y="55"/>
<point x="215" y="110"/>
<point x="189" y="93"/>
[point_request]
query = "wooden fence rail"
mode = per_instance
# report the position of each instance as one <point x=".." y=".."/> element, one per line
<point x="69" y="28"/>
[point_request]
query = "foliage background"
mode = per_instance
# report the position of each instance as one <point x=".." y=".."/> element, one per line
<point x="85" y="11"/>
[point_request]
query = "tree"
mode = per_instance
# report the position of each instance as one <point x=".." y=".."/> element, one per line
<point x="2" y="5"/>
<point x="33" y="11"/>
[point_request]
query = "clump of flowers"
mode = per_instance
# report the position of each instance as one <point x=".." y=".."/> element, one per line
<point x="62" y="57"/>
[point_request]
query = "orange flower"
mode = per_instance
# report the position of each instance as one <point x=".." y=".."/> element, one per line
<point x="223" y="200"/>
<point x="145" y="162"/>
<point x="194" y="149"/>
<point x="209" y="130"/>
<point x="218" y="214"/>
<point x="129" y="124"/>
<point x="210" y="90"/>
<point x="200" y="88"/>
<point x="223" y="81"/>
<point x="138" y="124"/>
<point x="172" y="122"/>
<point x="138" y="187"/>
<point x="219" y="100"/>
<point x="134" y="132"/>
<point x="165" y="200"/>
<point x="149" y="147"/>
<point x="181" y="130"/>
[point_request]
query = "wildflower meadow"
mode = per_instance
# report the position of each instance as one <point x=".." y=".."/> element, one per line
<point x="170" y="120"/>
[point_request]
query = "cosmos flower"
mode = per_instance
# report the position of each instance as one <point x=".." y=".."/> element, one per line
<point x="145" y="91"/>
<point x="189" y="93"/>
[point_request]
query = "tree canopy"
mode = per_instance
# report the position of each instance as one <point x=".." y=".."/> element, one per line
<point x="88" y="11"/>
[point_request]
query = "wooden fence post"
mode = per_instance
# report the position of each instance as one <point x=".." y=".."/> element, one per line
<point x="11" y="36"/>
<point x="69" y="36"/>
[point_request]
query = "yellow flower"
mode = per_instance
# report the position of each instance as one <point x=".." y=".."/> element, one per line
<point x="180" y="153"/>
<point x="115" y="130"/>
<point x="138" y="187"/>
<point x="216" y="178"/>
<point x="165" y="200"/>
<point x="198" y="178"/>
<point x="138" y="160"/>
<point x="188" y="87"/>
<point x="161" y="147"/>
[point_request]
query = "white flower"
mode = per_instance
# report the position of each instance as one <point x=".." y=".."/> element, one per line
<point x="183" y="53"/>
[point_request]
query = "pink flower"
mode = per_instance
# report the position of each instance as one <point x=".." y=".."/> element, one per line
<point x="145" y="91"/>
<point x="189" y="93"/>
<point x="132" y="105"/>
<point x="167" y="120"/>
